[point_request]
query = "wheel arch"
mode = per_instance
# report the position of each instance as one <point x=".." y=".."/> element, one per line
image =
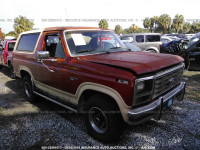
<point x="91" y="89"/>
<point x="23" y="70"/>
<point x="152" y="48"/>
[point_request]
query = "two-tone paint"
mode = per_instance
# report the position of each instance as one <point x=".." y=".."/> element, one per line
<point x="72" y="76"/>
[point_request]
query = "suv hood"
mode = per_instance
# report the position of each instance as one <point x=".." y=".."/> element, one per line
<point x="139" y="62"/>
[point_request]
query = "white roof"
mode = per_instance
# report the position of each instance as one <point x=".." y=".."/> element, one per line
<point x="32" y="31"/>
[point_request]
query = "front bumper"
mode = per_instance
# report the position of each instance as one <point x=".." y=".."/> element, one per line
<point x="154" y="109"/>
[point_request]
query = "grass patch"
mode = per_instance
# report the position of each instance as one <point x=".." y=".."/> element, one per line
<point x="192" y="85"/>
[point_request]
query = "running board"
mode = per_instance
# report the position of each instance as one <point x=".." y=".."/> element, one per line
<point x="54" y="101"/>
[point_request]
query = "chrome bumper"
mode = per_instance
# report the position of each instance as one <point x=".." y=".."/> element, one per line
<point x="154" y="109"/>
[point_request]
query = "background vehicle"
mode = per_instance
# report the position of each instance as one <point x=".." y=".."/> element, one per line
<point x="145" y="41"/>
<point x="180" y="36"/>
<point x="176" y="47"/>
<point x="166" y="39"/>
<point x="131" y="46"/>
<point x="6" y="55"/>
<point x="110" y="85"/>
<point x="190" y="36"/>
<point x="193" y="49"/>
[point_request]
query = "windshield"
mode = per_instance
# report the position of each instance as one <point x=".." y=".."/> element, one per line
<point x="93" y="42"/>
<point x="132" y="47"/>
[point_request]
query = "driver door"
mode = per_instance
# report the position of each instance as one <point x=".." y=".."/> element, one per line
<point x="51" y="73"/>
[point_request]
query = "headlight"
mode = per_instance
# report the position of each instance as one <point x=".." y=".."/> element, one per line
<point x="140" y="86"/>
<point x="143" y="90"/>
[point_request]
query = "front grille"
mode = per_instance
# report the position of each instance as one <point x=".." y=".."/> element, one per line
<point x="166" y="80"/>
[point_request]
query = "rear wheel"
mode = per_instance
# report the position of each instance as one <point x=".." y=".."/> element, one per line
<point x="102" y="118"/>
<point x="28" y="89"/>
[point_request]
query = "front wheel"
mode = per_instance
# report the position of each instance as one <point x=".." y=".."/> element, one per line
<point x="102" y="118"/>
<point x="28" y="89"/>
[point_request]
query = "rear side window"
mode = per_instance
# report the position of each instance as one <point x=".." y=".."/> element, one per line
<point x="152" y="38"/>
<point x="139" y="38"/>
<point x="11" y="46"/>
<point x="27" y="42"/>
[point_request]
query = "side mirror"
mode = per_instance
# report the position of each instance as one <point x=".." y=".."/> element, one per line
<point x="43" y="55"/>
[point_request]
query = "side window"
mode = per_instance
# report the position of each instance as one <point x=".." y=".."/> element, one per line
<point x="54" y="46"/>
<point x="152" y="38"/>
<point x="139" y="38"/>
<point x="27" y="42"/>
<point x="11" y="46"/>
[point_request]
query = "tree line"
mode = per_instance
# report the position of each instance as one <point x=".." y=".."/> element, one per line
<point x="163" y="24"/>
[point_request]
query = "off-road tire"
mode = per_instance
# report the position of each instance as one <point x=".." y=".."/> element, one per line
<point x="102" y="118"/>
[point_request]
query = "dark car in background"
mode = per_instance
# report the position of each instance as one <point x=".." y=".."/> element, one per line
<point x="176" y="47"/>
<point x="193" y="48"/>
<point x="180" y="36"/>
<point x="190" y="51"/>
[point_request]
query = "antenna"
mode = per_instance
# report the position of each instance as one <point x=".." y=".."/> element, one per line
<point x="67" y="16"/>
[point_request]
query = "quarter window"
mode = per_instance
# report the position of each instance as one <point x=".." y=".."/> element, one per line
<point x="27" y="42"/>
<point x="11" y="46"/>
<point x="152" y="38"/>
<point x="139" y="38"/>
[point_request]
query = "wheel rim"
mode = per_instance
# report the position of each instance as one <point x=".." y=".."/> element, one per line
<point x="98" y="120"/>
<point x="27" y="89"/>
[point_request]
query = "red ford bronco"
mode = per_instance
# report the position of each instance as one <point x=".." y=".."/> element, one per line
<point x="81" y="70"/>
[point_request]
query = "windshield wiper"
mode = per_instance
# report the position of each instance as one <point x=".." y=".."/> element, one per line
<point x="85" y="51"/>
<point x="108" y="52"/>
<point x="114" y="47"/>
<point x="120" y="47"/>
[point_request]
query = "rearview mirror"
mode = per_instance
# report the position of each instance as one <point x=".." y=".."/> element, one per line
<point x="43" y="55"/>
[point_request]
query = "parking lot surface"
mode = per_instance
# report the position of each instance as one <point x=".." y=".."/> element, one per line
<point x="44" y="125"/>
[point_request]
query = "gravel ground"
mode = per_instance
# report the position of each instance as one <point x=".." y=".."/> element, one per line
<point x="44" y="125"/>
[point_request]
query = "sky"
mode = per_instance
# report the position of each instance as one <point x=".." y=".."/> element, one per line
<point x="46" y="13"/>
